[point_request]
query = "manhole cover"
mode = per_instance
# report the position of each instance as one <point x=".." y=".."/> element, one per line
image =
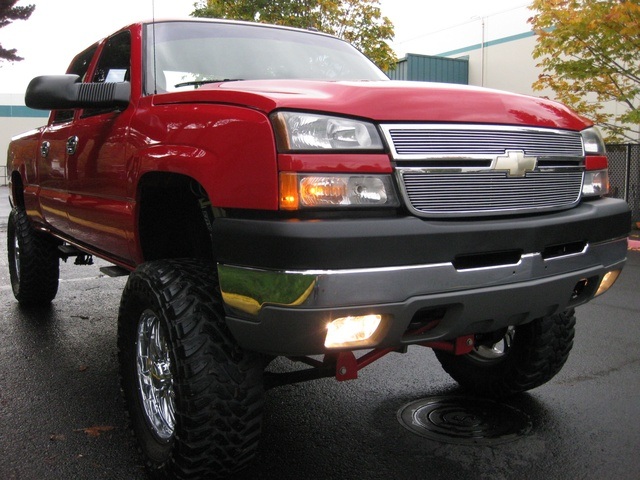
<point x="464" y="421"/>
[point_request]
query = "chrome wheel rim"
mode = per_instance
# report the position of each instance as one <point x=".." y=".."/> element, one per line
<point x="16" y="257"/>
<point x="495" y="351"/>
<point x="155" y="381"/>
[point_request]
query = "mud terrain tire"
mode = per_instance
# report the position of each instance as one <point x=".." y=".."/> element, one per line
<point x="34" y="262"/>
<point x="514" y="360"/>
<point x="193" y="396"/>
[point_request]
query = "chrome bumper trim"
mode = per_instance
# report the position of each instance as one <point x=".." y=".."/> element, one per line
<point x="247" y="291"/>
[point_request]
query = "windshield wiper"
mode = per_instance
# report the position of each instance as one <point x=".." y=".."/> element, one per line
<point x="198" y="83"/>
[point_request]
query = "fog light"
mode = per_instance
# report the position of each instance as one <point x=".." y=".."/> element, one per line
<point x="351" y="330"/>
<point x="607" y="281"/>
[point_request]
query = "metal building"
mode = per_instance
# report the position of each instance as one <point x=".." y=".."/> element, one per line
<point x="429" y="68"/>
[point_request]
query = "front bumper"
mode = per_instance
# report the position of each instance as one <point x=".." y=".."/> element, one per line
<point x="562" y="259"/>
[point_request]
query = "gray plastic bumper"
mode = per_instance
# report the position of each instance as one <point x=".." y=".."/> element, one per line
<point x="286" y="312"/>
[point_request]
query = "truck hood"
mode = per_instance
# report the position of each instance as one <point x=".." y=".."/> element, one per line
<point x="387" y="101"/>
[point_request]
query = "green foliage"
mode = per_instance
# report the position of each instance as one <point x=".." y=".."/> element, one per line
<point x="9" y="13"/>
<point x="589" y="51"/>
<point x="360" y="22"/>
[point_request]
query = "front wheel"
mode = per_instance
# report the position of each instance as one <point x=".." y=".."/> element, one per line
<point x="515" y="359"/>
<point x="194" y="397"/>
<point x="34" y="263"/>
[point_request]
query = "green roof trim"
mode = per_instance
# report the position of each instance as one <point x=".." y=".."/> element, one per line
<point x="20" y="111"/>
<point x="491" y="43"/>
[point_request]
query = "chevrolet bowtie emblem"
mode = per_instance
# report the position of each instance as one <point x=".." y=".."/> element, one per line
<point x="516" y="163"/>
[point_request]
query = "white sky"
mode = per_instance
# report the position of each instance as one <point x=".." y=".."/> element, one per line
<point x="59" y="29"/>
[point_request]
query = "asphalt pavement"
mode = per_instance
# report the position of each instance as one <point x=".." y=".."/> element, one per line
<point x="61" y="415"/>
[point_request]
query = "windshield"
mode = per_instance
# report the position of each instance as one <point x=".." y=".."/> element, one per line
<point x="190" y="53"/>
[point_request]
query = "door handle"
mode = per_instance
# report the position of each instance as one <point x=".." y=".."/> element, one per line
<point x="44" y="149"/>
<point x="72" y="145"/>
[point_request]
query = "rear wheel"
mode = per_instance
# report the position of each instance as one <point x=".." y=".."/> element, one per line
<point x="514" y="359"/>
<point x="34" y="262"/>
<point x="194" y="397"/>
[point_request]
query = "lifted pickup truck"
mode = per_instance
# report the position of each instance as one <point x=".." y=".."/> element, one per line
<point x="270" y="193"/>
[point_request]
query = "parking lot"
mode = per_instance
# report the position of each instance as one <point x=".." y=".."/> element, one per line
<point x="61" y="415"/>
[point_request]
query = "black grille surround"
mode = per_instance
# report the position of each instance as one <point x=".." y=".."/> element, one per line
<point x="475" y="170"/>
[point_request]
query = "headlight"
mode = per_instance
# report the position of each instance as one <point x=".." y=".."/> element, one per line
<point x="306" y="190"/>
<point x="593" y="142"/>
<point x="296" y="131"/>
<point x="596" y="176"/>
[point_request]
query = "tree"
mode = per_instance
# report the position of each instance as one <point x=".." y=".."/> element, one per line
<point x="589" y="52"/>
<point x="9" y="13"/>
<point x="360" y="22"/>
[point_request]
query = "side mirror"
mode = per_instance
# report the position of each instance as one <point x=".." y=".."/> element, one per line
<point x="61" y="92"/>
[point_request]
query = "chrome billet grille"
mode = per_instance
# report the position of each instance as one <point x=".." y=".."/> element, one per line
<point x="427" y="141"/>
<point x="483" y="193"/>
<point x="453" y="170"/>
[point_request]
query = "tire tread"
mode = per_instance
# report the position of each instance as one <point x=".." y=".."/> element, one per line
<point x="541" y="348"/>
<point x="37" y="283"/>
<point x="218" y="386"/>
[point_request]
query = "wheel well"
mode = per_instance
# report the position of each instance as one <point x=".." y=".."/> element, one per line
<point x="171" y="218"/>
<point x="17" y="192"/>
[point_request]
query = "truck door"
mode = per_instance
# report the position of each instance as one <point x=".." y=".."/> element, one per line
<point x="99" y="208"/>
<point x="51" y="164"/>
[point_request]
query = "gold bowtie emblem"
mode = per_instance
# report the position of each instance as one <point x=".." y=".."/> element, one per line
<point x="516" y="163"/>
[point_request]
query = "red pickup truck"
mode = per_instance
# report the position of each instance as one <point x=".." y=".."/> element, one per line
<point x="271" y="193"/>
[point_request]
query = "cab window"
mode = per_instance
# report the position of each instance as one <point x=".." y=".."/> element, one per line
<point x="114" y="65"/>
<point x="79" y="66"/>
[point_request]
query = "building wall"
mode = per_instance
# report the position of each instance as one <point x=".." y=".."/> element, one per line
<point x="508" y="64"/>
<point x="503" y="64"/>
<point x="15" y="118"/>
